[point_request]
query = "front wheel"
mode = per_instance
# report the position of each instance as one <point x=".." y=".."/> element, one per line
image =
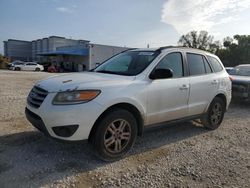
<point x="115" y="135"/>
<point x="215" y="114"/>
<point x="37" y="69"/>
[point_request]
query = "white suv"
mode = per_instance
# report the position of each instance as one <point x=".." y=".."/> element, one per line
<point x="112" y="104"/>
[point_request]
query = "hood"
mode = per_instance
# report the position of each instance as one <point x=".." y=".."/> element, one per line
<point x="86" y="80"/>
<point x="240" y="79"/>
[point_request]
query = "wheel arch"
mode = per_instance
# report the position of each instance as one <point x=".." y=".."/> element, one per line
<point x="221" y="96"/>
<point x="126" y="106"/>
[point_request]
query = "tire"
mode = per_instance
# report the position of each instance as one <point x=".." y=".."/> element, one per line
<point x="115" y="135"/>
<point x="17" y="69"/>
<point x="215" y="114"/>
<point x="37" y="69"/>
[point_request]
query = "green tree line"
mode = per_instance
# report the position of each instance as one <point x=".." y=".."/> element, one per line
<point x="231" y="51"/>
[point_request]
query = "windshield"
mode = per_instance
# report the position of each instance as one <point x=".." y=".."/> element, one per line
<point x="127" y="63"/>
<point x="241" y="71"/>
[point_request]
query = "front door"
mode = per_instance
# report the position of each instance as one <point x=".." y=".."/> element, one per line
<point x="167" y="99"/>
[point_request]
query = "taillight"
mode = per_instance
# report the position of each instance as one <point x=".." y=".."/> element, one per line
<point x="231" y="78"/>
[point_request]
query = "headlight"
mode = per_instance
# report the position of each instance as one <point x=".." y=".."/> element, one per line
<point x="75" y="97"/>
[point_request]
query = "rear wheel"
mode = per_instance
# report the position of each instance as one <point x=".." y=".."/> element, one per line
<point x="37" y="69"/>
<point x="215" y="114"/>
<point x="115" y="135"/>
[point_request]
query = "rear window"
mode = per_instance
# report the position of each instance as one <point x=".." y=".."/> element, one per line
<point x="215" y="64"/>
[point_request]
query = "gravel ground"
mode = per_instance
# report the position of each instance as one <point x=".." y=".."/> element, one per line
<point x="183" y="155"/>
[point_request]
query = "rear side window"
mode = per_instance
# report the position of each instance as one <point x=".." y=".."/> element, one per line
<point x="172" y="61"/>
<point x="207" y="66"/>
<point x="215" y="64"/>
<point x="196" y="64"/>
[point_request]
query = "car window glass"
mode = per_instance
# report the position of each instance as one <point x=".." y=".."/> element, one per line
<point x="30" y="64"/>
<point x="121" y="65"/>
<point x="242" y="71"/>
<point x="207" y="66"/>
<point x="196" y="64"/>
<point x="215" y="64"/>
<point x="127" y="63"/>
<point x="172" y="61"/>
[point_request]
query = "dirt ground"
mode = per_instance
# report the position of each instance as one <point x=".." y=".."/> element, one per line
<point x="183" y="155"/>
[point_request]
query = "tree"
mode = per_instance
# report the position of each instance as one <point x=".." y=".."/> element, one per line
<point x="227" y="42"/>
<point x="201" y="40"/>
<point x="3" y="61"/>
<point x="237" y="52"/>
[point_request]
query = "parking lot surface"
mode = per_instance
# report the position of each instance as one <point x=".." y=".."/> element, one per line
<point x="168" y="156"/>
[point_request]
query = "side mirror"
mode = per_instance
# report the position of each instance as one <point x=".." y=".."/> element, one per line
<point x="161" y="74"/>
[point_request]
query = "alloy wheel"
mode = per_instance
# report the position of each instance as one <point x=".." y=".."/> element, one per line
<point x="117" y="136"/>
<point x="216" y="113"/>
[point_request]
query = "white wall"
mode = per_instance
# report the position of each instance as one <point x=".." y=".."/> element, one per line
<point x="99" y="53"/>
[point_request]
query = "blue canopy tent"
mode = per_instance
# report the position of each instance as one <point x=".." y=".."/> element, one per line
<point x="67" y="51"/>
<point x="73" y="55"/>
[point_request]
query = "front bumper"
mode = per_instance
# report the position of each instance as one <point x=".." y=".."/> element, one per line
<point x="36" y="121"/>
<point x="52" y="119"/>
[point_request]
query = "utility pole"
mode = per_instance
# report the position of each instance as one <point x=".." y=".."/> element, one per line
<point x="90" y="55"/>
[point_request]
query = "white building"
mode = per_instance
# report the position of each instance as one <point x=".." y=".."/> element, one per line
<point x="73" y="55"/>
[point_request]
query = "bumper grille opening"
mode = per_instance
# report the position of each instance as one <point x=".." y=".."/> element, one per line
<point x="65" y="131"/>
<point x="36" y="96"/>
<point x="36" y="121"/>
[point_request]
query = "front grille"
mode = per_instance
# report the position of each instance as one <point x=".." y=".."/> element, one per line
<point x="36" y="97"/>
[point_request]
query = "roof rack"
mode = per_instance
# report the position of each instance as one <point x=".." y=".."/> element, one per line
<point x="166" y="47"/>
<point x="128" y="49"/>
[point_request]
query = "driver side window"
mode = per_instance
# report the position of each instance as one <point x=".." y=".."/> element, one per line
<point x="172" y="61"/>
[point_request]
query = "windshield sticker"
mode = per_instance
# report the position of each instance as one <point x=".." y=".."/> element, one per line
<point x="146" y="53"/>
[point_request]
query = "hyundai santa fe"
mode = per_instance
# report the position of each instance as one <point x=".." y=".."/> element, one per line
<point x="112" y="104"/>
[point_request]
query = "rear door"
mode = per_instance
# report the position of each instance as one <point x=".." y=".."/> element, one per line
<point x="167" y="99"/>
<point x="30" y="66"/>
<point x="203" y="83"/>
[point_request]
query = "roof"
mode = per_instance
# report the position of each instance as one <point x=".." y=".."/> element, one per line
<point x="17" y="40"/>
<point x="75" y="52"/>
<point x="160" y="49"/>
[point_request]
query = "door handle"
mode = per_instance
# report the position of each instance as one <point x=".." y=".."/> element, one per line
<point x="184" y="87"/>
<point x="214" y="82"/>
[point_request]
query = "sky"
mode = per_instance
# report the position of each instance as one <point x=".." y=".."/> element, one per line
<point x="131" y="23"/>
